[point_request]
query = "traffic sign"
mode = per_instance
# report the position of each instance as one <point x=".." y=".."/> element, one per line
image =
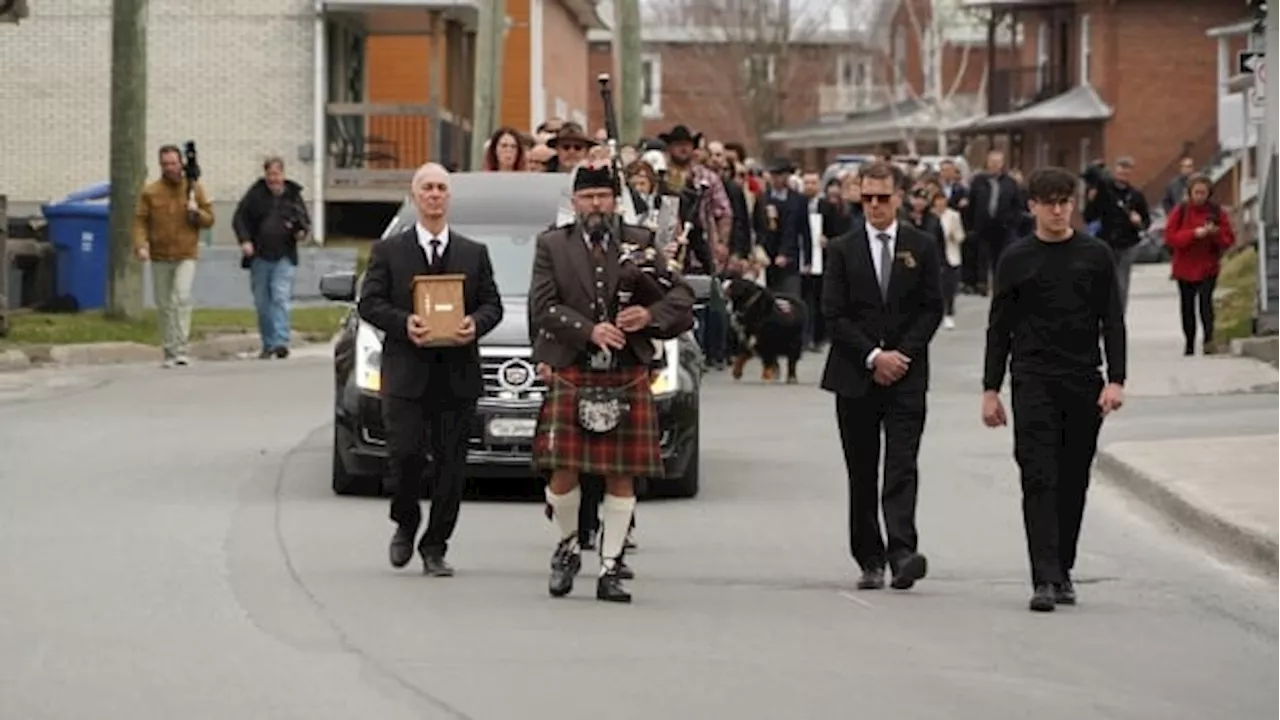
<point x="1251" y="62"/>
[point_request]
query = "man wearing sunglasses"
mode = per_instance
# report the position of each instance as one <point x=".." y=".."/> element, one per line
<point x="882" y="304"/>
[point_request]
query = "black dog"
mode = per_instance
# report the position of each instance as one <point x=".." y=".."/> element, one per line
<point x="768" y="325"/>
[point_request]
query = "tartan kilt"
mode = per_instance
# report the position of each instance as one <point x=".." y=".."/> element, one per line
<point x="629" y="450"/>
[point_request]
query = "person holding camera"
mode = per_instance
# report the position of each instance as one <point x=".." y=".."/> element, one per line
<point x="269" y="222"/>
<point x="1122" y="215"/>
<point x="171" y="213"/>
<point x="1198" y="233"/>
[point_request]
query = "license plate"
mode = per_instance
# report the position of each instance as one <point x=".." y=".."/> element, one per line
<point x="512" y="428"/>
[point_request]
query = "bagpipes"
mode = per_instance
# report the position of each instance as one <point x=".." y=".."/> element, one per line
<point x="645" y="273"/>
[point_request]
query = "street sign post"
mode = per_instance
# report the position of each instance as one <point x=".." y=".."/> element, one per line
<point x="1254" y="62"/>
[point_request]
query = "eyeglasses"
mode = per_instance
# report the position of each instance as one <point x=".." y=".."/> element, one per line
<point x="572" y="147"/>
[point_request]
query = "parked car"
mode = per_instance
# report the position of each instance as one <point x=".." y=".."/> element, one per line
<point x="506" y="211"/>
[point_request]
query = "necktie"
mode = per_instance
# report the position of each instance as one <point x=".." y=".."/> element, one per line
<point x="434" y="255"/>
<point x="886" y="264"/>
<point x="993" y="204"/>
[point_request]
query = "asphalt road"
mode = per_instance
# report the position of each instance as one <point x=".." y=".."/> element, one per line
<point x="169" y="547"/>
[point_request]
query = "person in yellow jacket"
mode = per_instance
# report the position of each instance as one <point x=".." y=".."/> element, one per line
<point x="166" y="232"/>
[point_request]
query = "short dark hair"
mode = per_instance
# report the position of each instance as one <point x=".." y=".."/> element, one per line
<point x="273" y="160"/>
<point x="1051" y="184"/>
<point x="737" y="148"/>
<point x="878" y="170"/>
<point x="1199" y="179"/>
<point x="169" y="149"/>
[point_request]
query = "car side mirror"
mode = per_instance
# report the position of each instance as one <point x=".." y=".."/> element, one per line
<point x="701" y="286"/>
<point x="339" y="286"/>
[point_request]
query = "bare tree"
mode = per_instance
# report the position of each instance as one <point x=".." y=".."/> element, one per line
<point x="935" y="26"/>
<point x="749" y="52"/>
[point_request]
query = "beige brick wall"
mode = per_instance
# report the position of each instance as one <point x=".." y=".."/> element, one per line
<point x="235" y="76"/>
<point x="564" y="51"/>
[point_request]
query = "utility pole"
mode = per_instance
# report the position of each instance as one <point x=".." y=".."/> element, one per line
<point x="488" y="101"/>
<point x="128" y="152"/>
<point x="627" y="45"/>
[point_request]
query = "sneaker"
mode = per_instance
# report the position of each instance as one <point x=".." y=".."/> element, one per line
<point x="949" y="323"/>
<point x="168" y="363"/>
<point x="182" y="361"/>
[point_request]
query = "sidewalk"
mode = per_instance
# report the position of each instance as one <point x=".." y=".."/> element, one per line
<point x="1224" y="490"/>
<point x="1157" y="367"/>
<point x="221" y="347"/>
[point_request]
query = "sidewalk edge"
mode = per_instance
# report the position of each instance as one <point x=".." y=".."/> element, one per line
<point x="1249" y="546"/>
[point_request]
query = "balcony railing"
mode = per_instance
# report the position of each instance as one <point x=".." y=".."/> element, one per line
<point x="1012" y="89"/>
<point x="373" y="144"/>
<point x="841" y="99"/>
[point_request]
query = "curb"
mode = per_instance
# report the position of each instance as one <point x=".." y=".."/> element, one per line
<point x="1264" y="349"/>
<point x="219" y="347"/>
<point x="1253" y="548"/>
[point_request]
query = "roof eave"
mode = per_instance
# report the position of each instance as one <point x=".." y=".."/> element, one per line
<point x="586" y="12"/>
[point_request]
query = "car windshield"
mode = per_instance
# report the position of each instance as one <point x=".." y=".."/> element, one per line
<point x="511" y="250"/>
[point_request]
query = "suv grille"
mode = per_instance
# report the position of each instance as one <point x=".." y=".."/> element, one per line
<point x="510" y="377"/>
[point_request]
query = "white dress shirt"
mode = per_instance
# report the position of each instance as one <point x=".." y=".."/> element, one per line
<point x="425" y="237"/>
<point x="877" y="246"/>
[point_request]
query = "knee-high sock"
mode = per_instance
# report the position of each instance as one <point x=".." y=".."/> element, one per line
<point x="564" y="510"/>
<point x="616" y="512"/>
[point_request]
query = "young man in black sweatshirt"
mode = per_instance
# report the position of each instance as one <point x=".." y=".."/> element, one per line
<point x="1056" y="293"/>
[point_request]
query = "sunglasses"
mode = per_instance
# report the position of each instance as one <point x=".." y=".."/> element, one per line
<point x="877" y="197"/>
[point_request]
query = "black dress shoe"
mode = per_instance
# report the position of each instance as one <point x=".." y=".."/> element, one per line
<point x="624" y="570"/>
<point x="401" y="550"/>
<point x="1064" y="593"/>
<point x="1042" y="600"/>
<point x="435" y="566"/>
<point x="910" y="569"/>
<point x="872" y="579"/>
<point x="609" y="587"/>
<point x="282" y="352"/>
<point x="566" y="562"/>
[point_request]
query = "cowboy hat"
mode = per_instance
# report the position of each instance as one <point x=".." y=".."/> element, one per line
<point x="571" y="132"/>
<point x="680" y="133"/>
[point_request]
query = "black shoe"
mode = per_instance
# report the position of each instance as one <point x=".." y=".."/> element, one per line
<point x="282" y="352"/>
<point x="910" y="569"/>
<point x="609" y="587"/>
<point x="566" y="561"/>
<point x="1042" y="600"/>
<point x="266" y="354"/>
<point x="435" y="566"/>
<point x="401" y="550"/>
<point x="1064" y="593"/>
<point x="624" y="570"/>
<point x="872" y="579"/>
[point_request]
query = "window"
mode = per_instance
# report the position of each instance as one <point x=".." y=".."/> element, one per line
<point x="759" y="69"/>
<point x="651" y="85"/>
<point x="847" y="69"/>
<point x="932" y="63"/>
<point x="1086" y="50"/>
<point x="1042" y="55"/>
<point x="562" y="109"/>
<point x="900" y="56"/>
<point x="1086" y="149"/>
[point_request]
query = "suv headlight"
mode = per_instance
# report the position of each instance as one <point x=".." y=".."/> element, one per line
<point x="368" y="358"/>
<point x="668" y="380"/>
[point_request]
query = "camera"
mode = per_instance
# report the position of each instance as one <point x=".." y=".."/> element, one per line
<point x="191" y="164"/>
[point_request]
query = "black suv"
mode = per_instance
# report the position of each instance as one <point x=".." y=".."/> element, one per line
<point x="506" y="211"/>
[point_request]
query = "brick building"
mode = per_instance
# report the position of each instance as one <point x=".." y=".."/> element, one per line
<point x="237" y="78"/>
<point x="1105" y="78"/>
<point x="924" y="67"/>
<point x="688" y="74"/>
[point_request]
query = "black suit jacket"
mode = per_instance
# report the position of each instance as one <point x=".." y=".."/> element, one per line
<point x="386" y="302"/>
<point x="791" y="238"/>
<point x="1010" y="205"/>
<point x="858" y="320"/>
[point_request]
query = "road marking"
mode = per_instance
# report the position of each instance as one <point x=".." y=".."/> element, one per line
<point x="854" y="598"/>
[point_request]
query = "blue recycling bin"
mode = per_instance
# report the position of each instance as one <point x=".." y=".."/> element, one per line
<point x="77" y="227"/>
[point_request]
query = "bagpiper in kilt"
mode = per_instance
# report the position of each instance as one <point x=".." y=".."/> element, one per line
<point x="599" y="297"/>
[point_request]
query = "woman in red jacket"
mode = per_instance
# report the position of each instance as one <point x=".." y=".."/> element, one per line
<point x="1198" y="233"/>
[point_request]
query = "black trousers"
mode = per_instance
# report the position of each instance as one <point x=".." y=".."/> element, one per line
<point x="416" y="427"/>
<point x="783" y="280"/>
<point x="950" y="283"/>
<point x="1196" y="296"/>
<point x="901" y="416"/>
<point x="811" y="293"/>
<point x="1055" y="436"/>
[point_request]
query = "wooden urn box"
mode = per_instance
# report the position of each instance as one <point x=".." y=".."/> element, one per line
<point x="439" y="300"/>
